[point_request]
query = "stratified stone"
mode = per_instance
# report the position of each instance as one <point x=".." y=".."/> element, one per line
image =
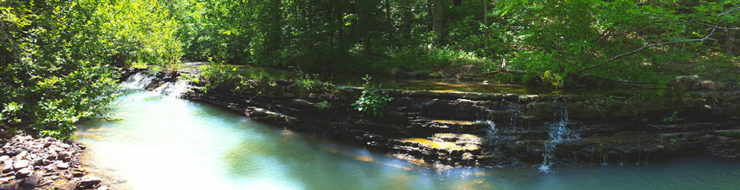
<point x="90" y="181"/>
<point x="22" y="155"/>
<point x="78" y="173"/>
<point x="62" y="165"/>
<point x="23" y="173"/>
<point x="20" y="164"/>
<point x="8" y="166"/>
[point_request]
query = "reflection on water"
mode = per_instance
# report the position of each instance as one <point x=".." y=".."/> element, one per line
<point x="166" y="143"/>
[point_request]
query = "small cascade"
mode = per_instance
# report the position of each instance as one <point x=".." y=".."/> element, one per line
<point x="558" y="133"/>
<point x="143" y="81"/>
<point x="516" y="110"/>
<point x="173" y="89"/>
<point x="492" y="131"/>
<point x="137" y="81"/>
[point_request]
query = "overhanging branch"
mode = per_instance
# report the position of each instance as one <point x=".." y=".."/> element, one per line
<point x="646" y="47"/>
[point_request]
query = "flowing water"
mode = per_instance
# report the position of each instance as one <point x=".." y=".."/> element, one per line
<point x="166" y="143"/>
<point x="558" y="133"/>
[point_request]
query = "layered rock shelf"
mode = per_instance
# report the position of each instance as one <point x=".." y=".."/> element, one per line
<point x="458" y="129"/>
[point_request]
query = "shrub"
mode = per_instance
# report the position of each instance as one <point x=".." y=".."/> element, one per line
<point x="372" y="101"/>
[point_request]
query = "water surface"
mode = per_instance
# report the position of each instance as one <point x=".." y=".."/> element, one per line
<point x="166" y="143"/>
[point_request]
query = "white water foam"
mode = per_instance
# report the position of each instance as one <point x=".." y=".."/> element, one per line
<point x="137" y="81"/>
<point x="173" y="89"/>
<point x="141" y="80"/>
<point x="559" y="133"/>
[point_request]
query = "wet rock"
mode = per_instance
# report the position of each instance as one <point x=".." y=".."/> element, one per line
<point x="467" y="156"/>
<point x="67" y="185"/>
<point x="430" y="123"/>
<point x="685" y="83"/>
<point x="712" y="85"/>
<point x="302" y="102"/>
<point x="78" y="173"/>
<point x="89" y="181"/>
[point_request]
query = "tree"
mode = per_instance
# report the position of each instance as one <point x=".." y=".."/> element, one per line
<point x="438" y="20"/>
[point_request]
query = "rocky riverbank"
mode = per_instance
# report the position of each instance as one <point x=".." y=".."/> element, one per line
<point x="457" y="129"/>
<point x="43" y="163"/>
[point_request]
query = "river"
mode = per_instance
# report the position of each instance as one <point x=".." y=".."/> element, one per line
<point x="161" y="142"/>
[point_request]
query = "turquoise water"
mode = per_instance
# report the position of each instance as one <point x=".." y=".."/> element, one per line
<point x="166" y="143"/>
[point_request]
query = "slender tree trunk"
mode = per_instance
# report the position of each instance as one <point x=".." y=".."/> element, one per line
<point x="274" y="35"/>
<point x="388" y="13"/>
<point x="730" y="41"/>
<point x="430" y="10"/>
<point x="485" y="21"/>
<point x="438" y="24"/>
<point x="338" y="14"/>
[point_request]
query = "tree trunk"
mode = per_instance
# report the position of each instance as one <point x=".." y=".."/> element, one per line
<point x="388" y="13"/>
<point x="274" y="35"/>
<point x="730" y="42"/>
<point x="485" y="21"/>
<point x="438" y="24"/>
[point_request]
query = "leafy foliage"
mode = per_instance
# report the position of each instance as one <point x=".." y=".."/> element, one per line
<point x="310" y="81"/>
<point x="57" y="58"/>
<point x="548" y="39"/>
<point x="372" y="101"/>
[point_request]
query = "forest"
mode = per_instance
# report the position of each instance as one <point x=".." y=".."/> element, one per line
<point x="59" y="59"/>
<point x="369" y="94"/>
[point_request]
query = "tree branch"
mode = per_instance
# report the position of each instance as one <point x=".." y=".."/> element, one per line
<point x="729" y="11"/>
<point x="723" y="28"/>
<point x="646" y="47"/>
<point x="504" y="70"/>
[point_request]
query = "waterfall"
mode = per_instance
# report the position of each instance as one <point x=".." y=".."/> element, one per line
<point x="173" y="89"/>
<point x="558" y="133"/>
<point x="516" y="110"/>
<point x="137" y="81"/>
<point x="141" y="81"/>
<point x="491" y="134"/>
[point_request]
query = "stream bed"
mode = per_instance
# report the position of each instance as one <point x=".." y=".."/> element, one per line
<point x="161" y="142"/>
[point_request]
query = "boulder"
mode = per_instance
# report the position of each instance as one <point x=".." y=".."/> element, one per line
<point x="712" y="85"/>
<point x="32" y="181"/>
<point x="685" y="83"/>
